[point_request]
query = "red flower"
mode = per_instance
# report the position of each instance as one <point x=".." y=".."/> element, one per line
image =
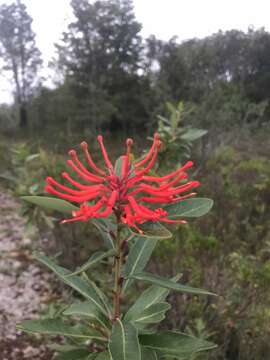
<point x="133" y="196"/>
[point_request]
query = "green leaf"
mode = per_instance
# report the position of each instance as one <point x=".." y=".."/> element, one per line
<point x="66" y="351"/>
<point x="149" y="297"/>
<point x="51" y="203"/>
<point x="149" y="354"/>
<point x="169" y="284"/>
<point x="106" y="229"/>
<point x="153" y="230"/>
<point x="193" y="134"/>
<point x="138" y="257"/>
<point x="124" y="342"/>
<point x="8" y="177"/>
<point x="78" y="354"/>
<point x="118" y="167"/>
<point x="163" y="119"/>
<point x="63" y="348"/>
<point x="32" y="157"/>
<point x="101" y="295"/>
<point x="194" y="207"/>
<point x="58" y="327"/>
<point x="153" y="314"/>
<point x="87" y="309"/>
<point x="85" y="288"/>
<point x="103" y="356"/>
<point x="94" y="259"/>
<point x="175" y="344"/>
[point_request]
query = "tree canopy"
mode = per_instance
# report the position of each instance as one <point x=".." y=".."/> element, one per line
<point x="19" y="52"/>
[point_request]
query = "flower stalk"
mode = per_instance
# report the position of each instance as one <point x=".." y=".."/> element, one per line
<point x="118" y="280"/>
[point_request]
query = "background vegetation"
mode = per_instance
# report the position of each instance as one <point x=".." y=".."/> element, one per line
<point x="115" y="82"/>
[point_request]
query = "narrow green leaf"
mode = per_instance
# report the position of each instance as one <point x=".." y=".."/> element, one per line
<point x="153" y="314"/>
<point x="193" y="134"/>
<point x="138" y="257"/>
<point x="150" y="296"/>
<point x="94" y="260"/>
<point x="149" y="354"/>
<point x="153" y="230"/>
<point x="106" y="229"/>
<point x="8" y="177"/>
<point x="58" y="327"/>
<point x="78" y="354"/>
<point x="166" y="283"/>
<point x="175" y="344"/>
<point x="80" y="285"/>
<point x="32" y="157"/>
<point x="103" y="298"/>
<point x="103" y="356"/>
<point x="51" y="203"/>
<point x="143" y="330"/>
<point x="66" y="349"/>
<point x="124" y="342"/>
<point x="118" y="167"/>
<point x="87" y="309"/>
<point x="63" y="348"/>
<point x="194" y="207"/>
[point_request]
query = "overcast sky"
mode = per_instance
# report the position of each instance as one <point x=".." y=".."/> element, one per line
<point x="163" y="18"/>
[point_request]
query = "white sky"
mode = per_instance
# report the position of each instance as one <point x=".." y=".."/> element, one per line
<point x="163" y="18"/>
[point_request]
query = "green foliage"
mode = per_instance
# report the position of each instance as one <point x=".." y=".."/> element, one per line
<point x="85" y="287"/>
<point x="123" y="338"/>
<point x="189" y="208"/>
<point x="81" y="354"/>
<point x="168" y="284"/>
<point x="94" y="260"/>
<point x="87" y="310"/>
<point x="51" y="204"/>
<point x="124" y="342"/>
<point x="175" y="344"/>
<point x="154" y="313"/>
<point x="177" y="138"/>
<point x="139" y="255"/>
<point x="230" y="249"/>
<point x="153" y="230"/>
<point x="58" y="327"/>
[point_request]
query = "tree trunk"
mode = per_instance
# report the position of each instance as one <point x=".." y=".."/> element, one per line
<point x="23" y="116"/>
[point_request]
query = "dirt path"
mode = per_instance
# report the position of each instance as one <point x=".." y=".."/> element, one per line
<point x="24" y="287"/>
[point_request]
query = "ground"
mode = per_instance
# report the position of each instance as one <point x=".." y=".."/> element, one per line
<point x="24" y="286"/>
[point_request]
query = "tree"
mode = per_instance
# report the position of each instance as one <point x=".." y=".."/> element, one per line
<point x="19" y="52"/>
<point x="101" y="55"/>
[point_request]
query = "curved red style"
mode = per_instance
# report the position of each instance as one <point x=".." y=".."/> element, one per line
<point x="131" y="194"/>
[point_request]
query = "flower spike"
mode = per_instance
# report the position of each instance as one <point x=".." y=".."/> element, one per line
<point x="133" y="196"/>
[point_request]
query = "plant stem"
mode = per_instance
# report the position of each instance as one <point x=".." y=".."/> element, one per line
<point x="100" y="329"/>
<point x="117" y="276"/>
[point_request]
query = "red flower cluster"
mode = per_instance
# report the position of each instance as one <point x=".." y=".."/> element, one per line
<point x="127" y="192"/>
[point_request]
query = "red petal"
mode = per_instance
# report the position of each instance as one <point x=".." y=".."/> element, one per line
<point x="92" y="178"/>
<point x="104" y="153"/>
<point x="89" y="159"/>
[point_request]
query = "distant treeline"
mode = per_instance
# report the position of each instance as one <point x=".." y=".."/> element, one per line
<point x="111" y="78"/>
